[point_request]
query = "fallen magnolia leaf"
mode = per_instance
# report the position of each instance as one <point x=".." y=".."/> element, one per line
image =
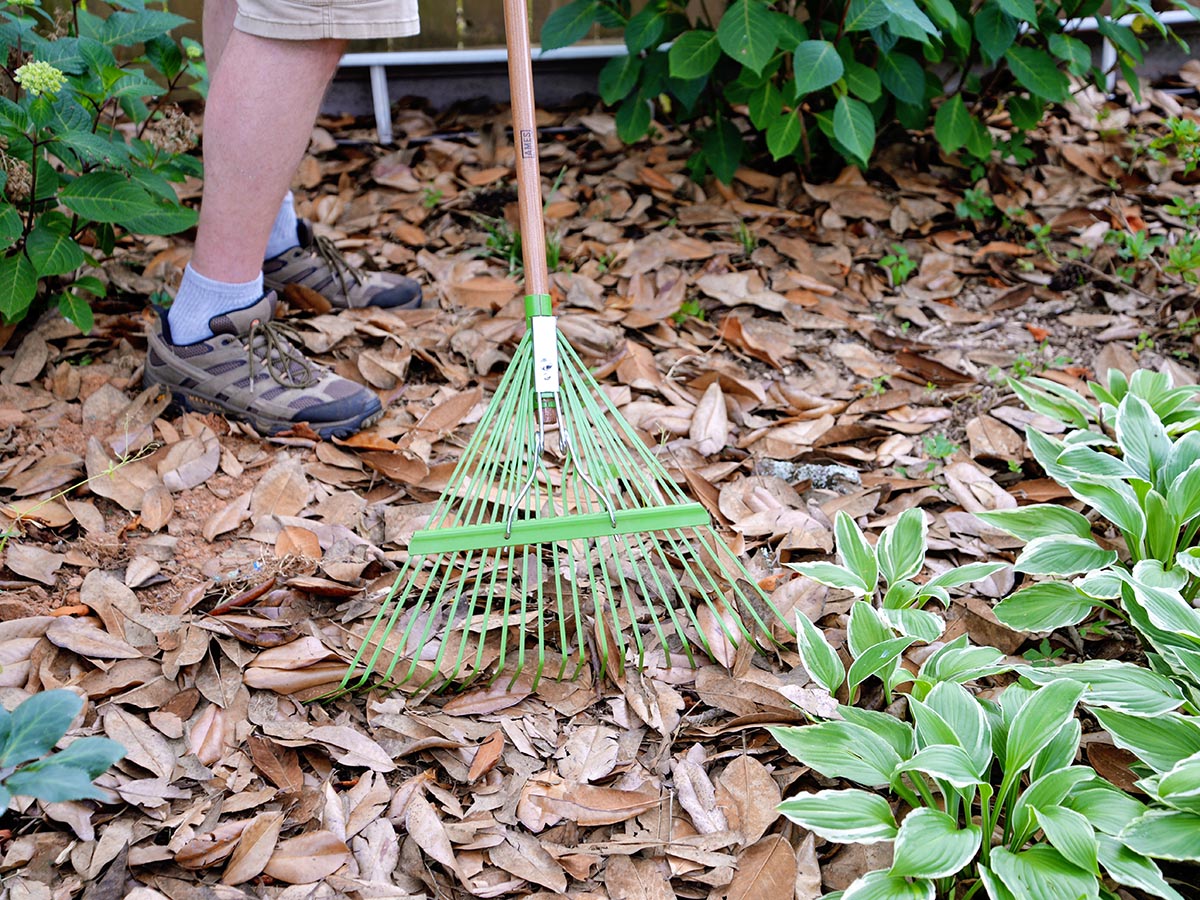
<point x="208" y="849"/>
<point x="227" y="518"/>
<point x="487" y="754"/>
<point x="33" y="562"/>
<point x="589" y="753"/>
<point x="710" y="422"/>
<point x="698" y="797"/>
<point x="523" y="855"/>
<point x="308" y="858"/>
<point x="207" y="740"/>
<point x="80" y="636"/>
<point x="255" y="848"/>
<point x="748" y="796"/>
<point x="426" y="828"/>
<point x="352" y="748"/>
<point x="765" y="869"/>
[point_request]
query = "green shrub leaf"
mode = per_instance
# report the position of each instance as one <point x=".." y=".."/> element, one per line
<point x="845" y="817"/>
<point x="1025" y="10"/>
<point x="995" y="30"/>
<point x="1036" y="71"/>
<point x="53" y="785"/>
<point x="817" y="65"/>
<point x="747" y="34"/>
<point x="52" y="250"/>
<point x="1074" y="52"/>
<point x="644" y="29"/>
<point x="863" y="15"/>
<point x="931" y="845"/>
<point x="10" y="224"/>
<point x="952" y="124"/>
<point x="863" y="82"/>
<point x="694" y="54"/>
<point x="618" y="77"/>
<point x="18" y="285"/>
<point x="854" y="126"/>
<point x="76" y="310"/>
<point x="783" y="135"/>
<point x="568" y="24"/>
<point x="903" y="77"/>
<point x="35" y="726"/>
<point x="723" y="148"/>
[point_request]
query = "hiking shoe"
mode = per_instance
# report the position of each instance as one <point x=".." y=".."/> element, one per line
<point x="319" y="266"/>
<point x="250" y="370"/>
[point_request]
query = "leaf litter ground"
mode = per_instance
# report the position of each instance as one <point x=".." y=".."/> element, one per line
<point x="205" y="585"/>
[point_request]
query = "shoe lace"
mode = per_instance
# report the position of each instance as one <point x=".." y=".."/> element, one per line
<point x="273" y="342"/>
<point x="332" y="257"/>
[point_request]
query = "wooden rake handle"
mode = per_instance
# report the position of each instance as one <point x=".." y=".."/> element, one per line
<point x="529" y="176"/>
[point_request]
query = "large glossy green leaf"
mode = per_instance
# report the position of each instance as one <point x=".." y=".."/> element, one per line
<point x="819" y="659"/>
<point x="841" y="750"/>
<point x="816" y="65"/>
<point x="92" y="755"/>
<point x="1132" y="869"/>
<point x="35" y="726"/>
<point x="959" y="709"/>
<point x="10" y="222"/>
<point x="619" y="77"/>
<point x="783" y="135"/>
<point x="931" y="845"/>
<point x="645" y="28"/>
<point x="1164" y="834"/>
<point x="845" y="817"/>
<point x="1038" y="721"/>
<point x="1051" y="789"/>
<point x="1071" y="835"/>
<point x="1020" y="9"/>
<point x="1044" y="607"/>
<point x="106" y="197"/>
<point x="1117" y="685"/>
<point x="568" y="24"/>
<point x="1036" y="71"/>
<point x="1063" y="555"/>
<point x="898" y="733"/>
<point x="126" y="28"/>
<point x="1160" y="742"/>
<point x="694" y="54"/>
<point x="945" y="762"/>
<point x="833" y="575"/>
<point x="1042" y="873"/>
<point x="54" y="785"/>
<point x="747" y="33"/>
<point x="958" y="662"/>
<point x="1112" y="498"/>
<point x="917" y="623"/>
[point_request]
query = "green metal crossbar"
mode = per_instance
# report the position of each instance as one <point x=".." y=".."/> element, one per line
<point x="558" y="528"/>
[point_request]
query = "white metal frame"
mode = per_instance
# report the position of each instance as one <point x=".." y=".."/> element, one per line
<point x="382" y="101"/>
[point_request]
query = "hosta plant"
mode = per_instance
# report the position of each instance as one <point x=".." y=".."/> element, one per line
<point x="978" y="797"/>
<point x="28" y="764"/>
<point x="88" y="146"/>
<point x="1133" y="458"/>
<point x="887" y="573"/>
<point x="807" y="75"/>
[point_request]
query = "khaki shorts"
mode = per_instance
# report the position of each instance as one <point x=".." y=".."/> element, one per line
<point x="304" y="20"/>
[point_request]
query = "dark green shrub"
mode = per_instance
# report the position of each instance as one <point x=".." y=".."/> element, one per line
<point x="809" y="74"/>
<point x="88" y="145"/>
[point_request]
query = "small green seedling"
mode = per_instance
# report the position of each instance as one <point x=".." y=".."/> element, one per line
<point x="898" y="264"/>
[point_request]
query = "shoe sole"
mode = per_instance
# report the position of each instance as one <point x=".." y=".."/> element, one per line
<point x="189" y="402"/>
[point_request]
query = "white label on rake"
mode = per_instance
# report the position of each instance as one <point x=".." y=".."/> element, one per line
<point x="545" y="354"/>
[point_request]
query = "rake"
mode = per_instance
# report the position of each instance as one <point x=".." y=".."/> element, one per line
<point x="557" y="514"/>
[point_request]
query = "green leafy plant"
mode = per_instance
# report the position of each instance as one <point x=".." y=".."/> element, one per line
<point x="807" y="75"/>
<point x="939" y="446"/>
<point x="1134" y="458"/>
<point x="1183" y="139"/>
<point x="887" y="572"/>
<point x="84" y="156"/>
<point x="28" y="765"/>
<point x="898" y="264"/>
<point x="503" y="243"/>
<point x="1183" y="258"/>
<point x="688" y="309"/>
<point x="976" y="205"/>
<point x="990" y="800"/>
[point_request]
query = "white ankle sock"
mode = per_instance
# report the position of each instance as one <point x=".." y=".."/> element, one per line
<point x="283" y="232"/>
<point x="199" y="299"/>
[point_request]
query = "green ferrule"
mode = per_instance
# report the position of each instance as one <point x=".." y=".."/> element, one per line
<point x="538" y="305"/>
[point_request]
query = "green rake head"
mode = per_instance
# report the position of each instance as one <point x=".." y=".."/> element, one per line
<point x="558" y="522"/>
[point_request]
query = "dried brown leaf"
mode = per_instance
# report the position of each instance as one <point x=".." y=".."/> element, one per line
<point x="765" y="869"/>
<point x="307" y="858"/>
<point x="254" y="849"/>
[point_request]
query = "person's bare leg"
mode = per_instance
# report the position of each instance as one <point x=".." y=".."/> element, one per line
<point x="261" y="108"/>
<point x="217" y="20"/>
